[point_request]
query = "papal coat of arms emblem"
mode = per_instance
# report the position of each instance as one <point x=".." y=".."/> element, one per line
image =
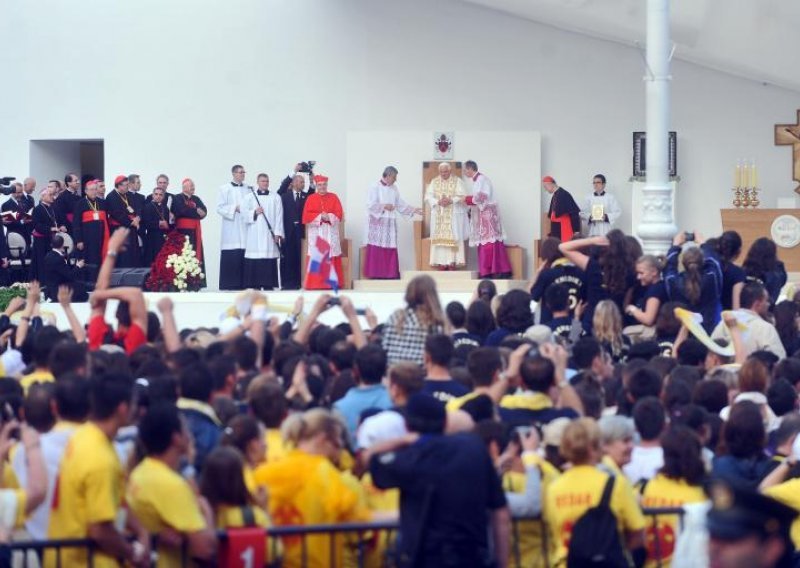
<point x="443" y="145"/>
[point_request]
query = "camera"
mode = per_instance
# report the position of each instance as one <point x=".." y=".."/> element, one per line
<point x="5" y="185"/>
<point x="689" y="236"/>
<point x="307" y="167"/>
<point x="533" y="352"/>
<point x="334" y="302"/>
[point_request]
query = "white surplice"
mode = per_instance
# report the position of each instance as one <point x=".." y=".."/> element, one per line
<point x="381" y="229"/>
<point x="234" y="231"/>
<point x="449" y="225"/>
<point x="485" y="224"/>
<point x="610" y="207"/>
<point x="259" y="242"/>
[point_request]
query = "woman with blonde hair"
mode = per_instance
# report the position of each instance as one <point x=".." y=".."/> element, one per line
<point x="581" y="488"/>
<point x="306" y="488"/>
<point x="406" y="330"/>
<point x="649" y="294"/>
<point x="607" y="329"/>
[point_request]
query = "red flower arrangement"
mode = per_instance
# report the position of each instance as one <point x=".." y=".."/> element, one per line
<point x="163" y="275"/>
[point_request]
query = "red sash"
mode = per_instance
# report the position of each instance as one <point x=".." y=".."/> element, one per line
<point x="88" y="217"/>
<point x="566" y="226"/>
<point x="193" y="224"/>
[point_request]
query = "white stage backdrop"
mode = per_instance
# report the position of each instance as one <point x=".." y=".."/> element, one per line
<point x="511" y="159"/>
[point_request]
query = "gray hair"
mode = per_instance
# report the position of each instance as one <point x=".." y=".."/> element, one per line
<point x="389" y="170"/>
<point x="615" y="428"/>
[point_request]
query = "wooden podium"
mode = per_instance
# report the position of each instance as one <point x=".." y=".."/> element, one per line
<point x="752" y="224"/>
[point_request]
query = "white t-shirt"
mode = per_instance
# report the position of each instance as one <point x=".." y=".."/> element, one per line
<point x="645" y="462"/>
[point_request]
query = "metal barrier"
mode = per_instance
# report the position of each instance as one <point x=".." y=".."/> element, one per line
<point x="361" y="539"/>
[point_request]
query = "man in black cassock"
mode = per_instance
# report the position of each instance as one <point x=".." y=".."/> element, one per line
<point x="44" y="227"/>
<point x="64" y="205"/>
<point x="90" y="226"/>
<point x="122" y="212"/>
<point x="16" y="213"/>
<point x="162" y="183"/>
<point x="564" y="215"/>
<point x="293" y="202"/>
<point x="156" y="224"/>
<point x="189" y="210"/>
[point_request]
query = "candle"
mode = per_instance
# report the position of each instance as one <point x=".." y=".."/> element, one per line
<point x="755" y="175"/>
<point x="737" y="178"/>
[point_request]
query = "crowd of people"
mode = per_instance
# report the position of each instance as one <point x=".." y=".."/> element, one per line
<point x="531" y="428"/>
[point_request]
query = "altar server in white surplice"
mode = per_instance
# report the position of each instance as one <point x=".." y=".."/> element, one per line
<point x="449" y="224"/>
<point x="262" y="245"/>
<point x="229" y="205"/>
<point x="384" y="204"/>
<point x="600" y="210"/>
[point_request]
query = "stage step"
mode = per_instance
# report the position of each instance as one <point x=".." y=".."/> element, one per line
<point x="439" y="275"/>
<point x="443" y="285"/>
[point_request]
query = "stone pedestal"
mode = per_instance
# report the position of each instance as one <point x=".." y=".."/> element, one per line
<point x="652" y="215"/>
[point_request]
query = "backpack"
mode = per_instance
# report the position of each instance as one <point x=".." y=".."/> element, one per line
<point x="595" y="539"/>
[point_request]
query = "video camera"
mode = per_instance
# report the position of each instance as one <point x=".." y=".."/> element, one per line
<point x="307" y="167"/>
<point x="5" y="185"/>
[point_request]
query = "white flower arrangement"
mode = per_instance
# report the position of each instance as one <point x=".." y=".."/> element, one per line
<point x="184" y="265"/>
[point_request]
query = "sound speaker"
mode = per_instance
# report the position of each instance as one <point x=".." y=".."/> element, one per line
<point x="129" y="277"/>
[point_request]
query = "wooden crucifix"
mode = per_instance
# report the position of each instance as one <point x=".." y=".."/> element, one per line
<point x="786" y="135"/>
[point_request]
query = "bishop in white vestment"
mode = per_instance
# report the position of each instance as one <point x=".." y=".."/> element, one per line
<point x="262" y="249"/>
<point x="234" y="231"/>
<point x="600" y="209"/>
<point x="384" y="204"/>
<point x="445" y="195"/>
<point x="486" y="228"/>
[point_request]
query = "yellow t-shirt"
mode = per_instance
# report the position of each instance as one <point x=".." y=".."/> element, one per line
<point x="663" y="492"/>
<point x="161" y="498"/>
<point x="788" y="493"/>
<point x="276" y="447"/>
<point x="232" y="517"/>
<point x="88" y="491"/>
<point x="529" y="533"/>
<point x="31" y="379"/>
<point x="576" y="491"/>
<point x="308" y="489"/>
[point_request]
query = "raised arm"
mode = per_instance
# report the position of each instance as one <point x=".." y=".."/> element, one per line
<point x="304" y="329"/>
<point x="349" y="311"/>
<point x="169" y="329"/>
<point x="65" y="300"/>
<point x="134" y="298"/>
<point x="572" y="250"/>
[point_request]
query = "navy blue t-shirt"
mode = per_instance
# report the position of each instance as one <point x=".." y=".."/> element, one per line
<point x="562" y="273"/>
<point x="643" y="293"/>
<point x="448" y="485"/>
<point x="444" y="391"/>
<point x="731" y="276"/>
<point x="596" y="292"/>
<point x="561" y="326"/>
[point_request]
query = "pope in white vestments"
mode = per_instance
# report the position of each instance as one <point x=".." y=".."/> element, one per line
<point x="445" y="195"/>
<point x="384" y="204"/>
<point x="261" y="249"/>
<point x="234" y="231"/>
<point x="600" y="209"/>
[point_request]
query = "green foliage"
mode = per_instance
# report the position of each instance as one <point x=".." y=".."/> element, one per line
<point x="11" y="292"/>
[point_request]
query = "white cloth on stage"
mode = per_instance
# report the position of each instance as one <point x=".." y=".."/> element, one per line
<point x="449" y="225"/>
<point x="610" y="207"/>
<point x="234" y="230"/>
<point x="485" y="224"/>
<point x="259" y="242"/>
<point x="381" y="229"/>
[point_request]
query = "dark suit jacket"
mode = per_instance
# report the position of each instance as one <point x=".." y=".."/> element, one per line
<point x="56" y="272"/>
<point x="292" y="215"/>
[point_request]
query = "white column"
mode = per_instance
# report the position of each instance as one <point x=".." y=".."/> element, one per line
<point x="658" y="225"/>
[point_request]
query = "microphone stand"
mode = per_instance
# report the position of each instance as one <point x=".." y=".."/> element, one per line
<point x="271" y="232"/>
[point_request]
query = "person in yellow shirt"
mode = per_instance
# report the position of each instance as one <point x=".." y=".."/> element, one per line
<point x="88" y="496"/>
<point x="776" y="486"/>
<point x="16" y="503"/>
<point x="679" y="482"/>
<point x="581" y="487"/>
<point x="246" y="434"/>
<point x="268" y="404"/>
<point x="306" y="488"/>
<point x="43" y="343"/>
<point x="161" y="499"/>
<point x="231" y="501"/>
